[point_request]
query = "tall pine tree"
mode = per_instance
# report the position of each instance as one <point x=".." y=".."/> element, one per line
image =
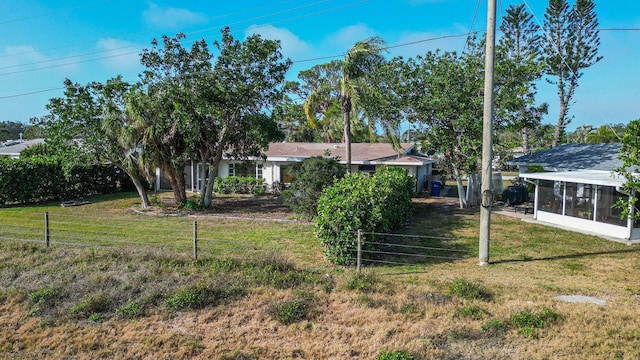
<point x="570" y="45"/>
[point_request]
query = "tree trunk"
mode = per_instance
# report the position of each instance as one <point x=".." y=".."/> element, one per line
<point x="347" y="139"/>
<point x="142" y="191"/>
<point x="136" y="179"/>
<point x="461" y="193"/>
<point x="176" y="178"/>
<point x="525" y="140"/>
<point x="345" y="103"/>
<point x="472" y="186"/>
<point x="208" y="194"/>
<point x="564" y="107"/>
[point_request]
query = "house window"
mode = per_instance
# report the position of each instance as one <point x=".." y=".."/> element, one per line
<point x="367" y="169"/>
<point x="232" y="169"/>
<point x="286" y="174"/>
<point x="259" y="171"/>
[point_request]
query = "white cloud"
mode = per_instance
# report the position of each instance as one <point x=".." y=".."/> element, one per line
<point x="419" y="43"/>
<point x="170" y="17"/>
<point x="346" y="37"/>
<point x="292" y="46"/>
<point x="118" y="54"/>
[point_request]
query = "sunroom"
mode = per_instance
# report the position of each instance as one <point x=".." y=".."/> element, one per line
<point x="583" y="201"/>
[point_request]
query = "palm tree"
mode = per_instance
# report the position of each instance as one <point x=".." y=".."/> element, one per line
<point x="361" y="59"/>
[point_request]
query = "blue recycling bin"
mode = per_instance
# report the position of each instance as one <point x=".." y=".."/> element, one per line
<point x="435" y="188"/>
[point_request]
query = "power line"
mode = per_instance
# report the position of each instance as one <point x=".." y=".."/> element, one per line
<point x="189" y="33"/>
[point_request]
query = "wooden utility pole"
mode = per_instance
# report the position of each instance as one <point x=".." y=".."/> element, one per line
<point x="487" y="135"/>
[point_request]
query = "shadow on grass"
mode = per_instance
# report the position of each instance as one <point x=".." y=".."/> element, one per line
<point x="566" y="256"/>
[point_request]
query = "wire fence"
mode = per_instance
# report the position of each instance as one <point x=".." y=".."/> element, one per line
<point x="214" y="237"/>
<point x="172" y="235"/>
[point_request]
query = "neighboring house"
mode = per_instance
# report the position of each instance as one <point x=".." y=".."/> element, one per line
<point x="13" y="148"/>
<point x="579" y="188"/>
<point x="276" y="166"/>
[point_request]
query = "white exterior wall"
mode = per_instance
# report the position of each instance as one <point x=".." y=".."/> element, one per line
<point x="600" y="228"/>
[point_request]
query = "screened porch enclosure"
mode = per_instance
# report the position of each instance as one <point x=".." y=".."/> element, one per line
<point x="584" y="201"/>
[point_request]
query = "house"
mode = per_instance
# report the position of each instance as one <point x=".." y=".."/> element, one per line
<point x="578" y="189"/>
<point x="276" y="166"/>
<point x="13" y="148"/>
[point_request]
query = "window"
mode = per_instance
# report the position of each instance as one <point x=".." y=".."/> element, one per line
<point x="550" y="196"/>
<point x="286" y="174"/>
<point x="259" y="171"/>
<point x="232" y="169"/>
<point x="367" y="169"/>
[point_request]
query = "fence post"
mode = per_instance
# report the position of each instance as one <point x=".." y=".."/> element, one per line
<point x="46" y="228"/>
<point x="359" y="258"/>
<point x="195" y="240"/>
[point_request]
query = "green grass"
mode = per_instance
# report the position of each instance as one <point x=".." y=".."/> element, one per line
<point x="253" y="277"/>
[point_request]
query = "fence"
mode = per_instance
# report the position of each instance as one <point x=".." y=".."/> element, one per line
<point x="188" y="236"/>
<point x="401" y="249"/>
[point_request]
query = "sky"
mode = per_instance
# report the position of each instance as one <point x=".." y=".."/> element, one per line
<point x="44" y="42"/>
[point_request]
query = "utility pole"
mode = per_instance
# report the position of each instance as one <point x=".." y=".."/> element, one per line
<point x="487" y="135"/>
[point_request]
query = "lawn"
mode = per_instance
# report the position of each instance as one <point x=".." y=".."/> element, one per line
<point x="118" y="283"/>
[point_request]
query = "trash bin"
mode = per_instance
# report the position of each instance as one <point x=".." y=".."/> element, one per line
<point x="435" y="188"/>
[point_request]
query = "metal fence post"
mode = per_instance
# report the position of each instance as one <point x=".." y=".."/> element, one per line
<point x="359" y="258"/>
<point x="195" y="240"/>
<point x="46" y="228"/>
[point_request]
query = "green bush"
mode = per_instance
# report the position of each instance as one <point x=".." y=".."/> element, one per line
<point x="311" y="177"/>
<point x="291" y="311"/>
<point x="465" y="289"/>
<point x="527" y="321"/>
<point x="377" y="203"/>
<point x="494" y="326"/>
<point x="395" y="355"/>
<point x="239" y="185"/>
<point x="41" y="178"/>
<point x="97" y="303"/>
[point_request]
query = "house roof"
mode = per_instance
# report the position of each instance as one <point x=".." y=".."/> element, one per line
<point x="568" y="157"/>
<point x="12" y="148"/>
<point x="361" y="153"/>
<point x="605" y="178"/>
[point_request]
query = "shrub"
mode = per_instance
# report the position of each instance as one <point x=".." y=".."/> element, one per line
<point x="311" y="177"/>
<point x="395" y="355"/>
<point x="469" y="290"/>
<point x="375" y="203"/>
<point x="361" y="282"/>
<point x="494" y="326"/>
<point x="471" y="311"/>
<point x="41" y="178"/>
<point x="239" y="185"/>
<point x="130" y="311"/>
<point x="98" y="303"/>
<point x="291" y="311"/>
<point x="200" y="295"/>
<point x="527" y="321"/>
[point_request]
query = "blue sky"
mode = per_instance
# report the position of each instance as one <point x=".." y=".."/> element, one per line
<point x="44" y="42"/>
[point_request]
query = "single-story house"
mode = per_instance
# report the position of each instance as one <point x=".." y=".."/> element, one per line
<point x="578" y="189"/>
<point x="279" y="159"/>
<point x="13" y="148"/>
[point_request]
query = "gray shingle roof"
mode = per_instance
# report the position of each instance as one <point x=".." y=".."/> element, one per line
<point x="574" y="157"/>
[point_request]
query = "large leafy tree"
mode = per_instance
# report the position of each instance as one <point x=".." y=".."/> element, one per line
<point x="629" y="153"/>
<point x="445" y="99"/>
<point x="91" y="120"/>
<point x="570" y="45"/>
<point x="519" y="67"/>
<point x="192" y="106"/>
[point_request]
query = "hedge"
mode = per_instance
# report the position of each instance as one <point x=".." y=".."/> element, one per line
<point x="40" y="178"/>
<point x="239" y="185"/>
<point x="377" y="203"/>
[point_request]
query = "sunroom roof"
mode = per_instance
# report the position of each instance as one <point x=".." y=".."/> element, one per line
<point x="606" y="178"/>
